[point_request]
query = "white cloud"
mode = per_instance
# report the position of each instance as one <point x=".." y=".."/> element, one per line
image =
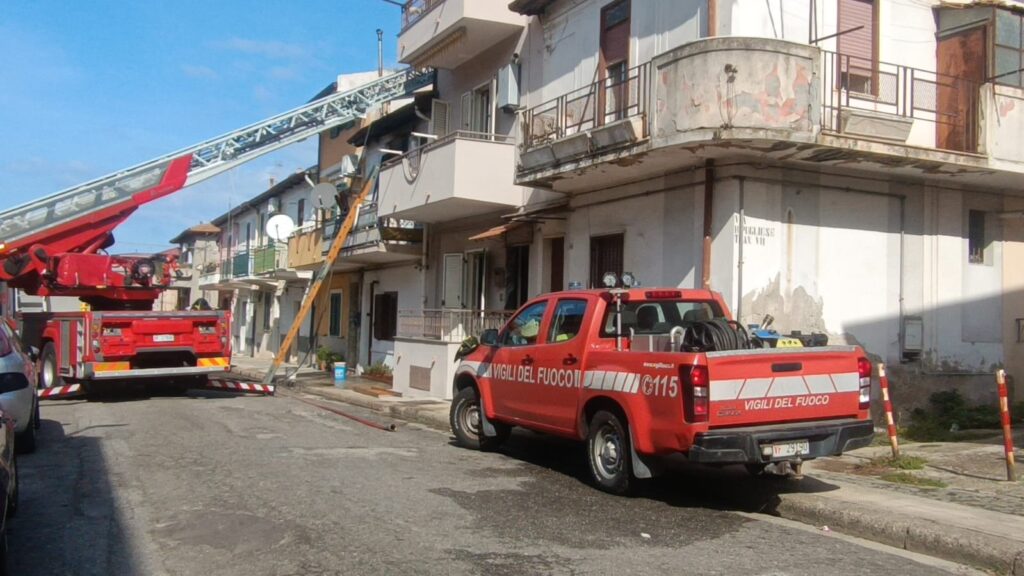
<point x="204" y="72"/>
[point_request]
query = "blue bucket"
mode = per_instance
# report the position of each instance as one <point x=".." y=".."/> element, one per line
<point x="340" y="373"/>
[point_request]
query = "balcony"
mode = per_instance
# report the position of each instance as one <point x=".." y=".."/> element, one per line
<point x="770" y="101"/>
<point x="442" y="181"/>
<point x="375" y="241"/>
<point x="447" y="33"/>
<point x="305" y="248"/>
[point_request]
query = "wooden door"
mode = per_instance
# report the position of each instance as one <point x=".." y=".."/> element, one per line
<point x="962" y="61"/>
<point x="613" y="65"/>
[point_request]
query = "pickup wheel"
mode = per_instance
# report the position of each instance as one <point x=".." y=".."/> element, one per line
<point x="49" y="374"/>
<point x="467" y="425"/>
<point x="608" y="453"/>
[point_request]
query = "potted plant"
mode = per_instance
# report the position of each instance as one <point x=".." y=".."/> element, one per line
<point x="324" y="358"/>
<point x="378" y="371"/>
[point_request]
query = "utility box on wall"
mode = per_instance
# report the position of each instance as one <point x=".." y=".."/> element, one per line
<point x="913" y="337"/>
<point x="508" y="88"/>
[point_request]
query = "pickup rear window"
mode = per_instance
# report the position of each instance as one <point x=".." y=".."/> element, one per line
<point x="658" y="316"/>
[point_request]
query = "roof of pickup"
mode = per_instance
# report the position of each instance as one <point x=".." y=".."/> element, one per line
<point x="644" y="293"/>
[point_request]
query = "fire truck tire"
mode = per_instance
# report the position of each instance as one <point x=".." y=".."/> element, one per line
<point x="608" y="453"/>
<point x="49" y="374"/>
<point x="467" y="425"/>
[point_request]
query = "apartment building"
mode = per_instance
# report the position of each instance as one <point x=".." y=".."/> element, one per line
<point x="848" y="166"/>
<point x="199" y="261"/>
<point x="255" y="280"/>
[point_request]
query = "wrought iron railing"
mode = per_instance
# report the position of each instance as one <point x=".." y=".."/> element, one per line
<point x="449" y="325"/>
<point x="597" y="104"/>
<point x="950" y="103"/>
<point x="416" y="9"/>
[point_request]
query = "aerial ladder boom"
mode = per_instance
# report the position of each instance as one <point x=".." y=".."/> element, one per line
<point x="53" y="245"/>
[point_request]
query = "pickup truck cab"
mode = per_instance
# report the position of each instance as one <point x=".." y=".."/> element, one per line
<point x="644" y="373"/>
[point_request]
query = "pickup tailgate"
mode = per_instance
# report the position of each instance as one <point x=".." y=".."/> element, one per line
<point x="774" y="386"/>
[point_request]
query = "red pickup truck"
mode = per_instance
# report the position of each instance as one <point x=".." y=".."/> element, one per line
<point x="639" y="374"/>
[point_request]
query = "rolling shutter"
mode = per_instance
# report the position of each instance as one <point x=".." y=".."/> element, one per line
<point x="859" y="46"/>
<point x="439" y="118"/>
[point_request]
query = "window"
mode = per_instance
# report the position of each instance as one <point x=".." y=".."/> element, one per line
<point x="476" y="109"/>
<point x="262" y="229"/>
<point x="524" y="329"/>
<point x="567" y="321"/>
<point x="606" y="254"/>
<point x="1009" y="48"/>
<point x="300" y="213"/>
<point x="385" y="315"/>
<point x="268" y="309"/>
<point x="857" y="45"/>
<point x="659" y="316"/>
<point x="977" y="243"/>
<point x="334" y="314"/>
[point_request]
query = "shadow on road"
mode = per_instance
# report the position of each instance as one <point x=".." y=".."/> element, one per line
<point x="682" y="484"/>
<point x="68" y="521"/>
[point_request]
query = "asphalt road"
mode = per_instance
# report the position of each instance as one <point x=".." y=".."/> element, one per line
<point x="211" y="484"/>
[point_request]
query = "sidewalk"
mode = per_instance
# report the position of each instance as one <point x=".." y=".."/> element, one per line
<point x="974" y="518"/>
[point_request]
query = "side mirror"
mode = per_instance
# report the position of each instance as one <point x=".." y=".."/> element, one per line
<point x="33" y="353"/>
<point x="489" y="337"/>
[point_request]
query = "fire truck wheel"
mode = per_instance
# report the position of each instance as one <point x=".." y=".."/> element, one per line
<point x="608" y="453"/>
<point x="466" y="422"/>
<point x="49" y="375"/>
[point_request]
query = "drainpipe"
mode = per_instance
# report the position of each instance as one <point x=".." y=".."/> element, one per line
<point x="709" y="196"/>
<point x="903" y="203"/>
<point x="739" y="259"/>
<point x="369" y="341"/>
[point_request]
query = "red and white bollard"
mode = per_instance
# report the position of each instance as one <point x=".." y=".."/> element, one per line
<point x="883" y="381"/>
<point x="1004" y="415"/>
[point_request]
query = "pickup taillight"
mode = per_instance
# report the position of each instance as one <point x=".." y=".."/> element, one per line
<point x="697" y="394"/>
<point x="864" y="371"/>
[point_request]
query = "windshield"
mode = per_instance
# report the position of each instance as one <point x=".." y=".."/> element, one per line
<point x="659" y="316"/>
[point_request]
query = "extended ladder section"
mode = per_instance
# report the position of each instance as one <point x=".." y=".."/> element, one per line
<point x="35" y="222"/>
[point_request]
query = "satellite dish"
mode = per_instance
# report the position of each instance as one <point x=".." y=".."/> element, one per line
<point x="324" y="190"/>
<point x="280" y="227"/>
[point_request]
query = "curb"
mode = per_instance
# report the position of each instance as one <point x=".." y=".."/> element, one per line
<point x="435" y="416"/>
<point x="964" y="546"/>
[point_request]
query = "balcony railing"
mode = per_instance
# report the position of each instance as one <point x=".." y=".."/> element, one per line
<point x="603" y="102"/>
<point x="411" y="159"/>
<point x="416" y="9"/>
<point x="449" y="325"/>
<point x="949" y="103"/>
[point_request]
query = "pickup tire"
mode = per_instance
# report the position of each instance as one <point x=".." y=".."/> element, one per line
<point x="609" y="454"/>
<point x="466" y="422"/>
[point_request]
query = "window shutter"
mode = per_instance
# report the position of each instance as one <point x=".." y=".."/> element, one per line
<point x="439" y="118"/>
<point x="858" y="45"/>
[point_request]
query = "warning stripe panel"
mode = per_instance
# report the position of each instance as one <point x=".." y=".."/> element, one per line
<point x="59" y="391"/>
<point x="237" y="386"/>
<point x="217" y="362"/>
<point x="111" y="366"/>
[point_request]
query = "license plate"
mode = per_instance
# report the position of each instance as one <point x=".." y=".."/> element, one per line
<point x="797" y="448"/>
<point x="163" y="338"/>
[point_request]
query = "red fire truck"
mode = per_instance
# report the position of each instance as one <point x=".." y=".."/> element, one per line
<point x="56" y="246"/>
<point x="639" y="374"/>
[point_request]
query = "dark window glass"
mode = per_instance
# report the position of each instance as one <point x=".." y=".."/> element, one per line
<point x="334" y="312"/>
<point x="606" y="255"/>
<point x="524" y="329"/>
<point x="385" y="315"/>
<point x="976" y="243"/>
<point x="616" y="13"/>
<point x="567" y="321"/>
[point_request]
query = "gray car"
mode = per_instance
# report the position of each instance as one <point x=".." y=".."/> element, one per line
<point x="18" y="387"/>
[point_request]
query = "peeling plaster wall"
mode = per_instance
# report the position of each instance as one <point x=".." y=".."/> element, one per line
<point x="1002" y="121"/>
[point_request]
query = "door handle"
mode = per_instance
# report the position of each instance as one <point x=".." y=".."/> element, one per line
<point x="527" y="360"/>
<point x="569" y="360"/>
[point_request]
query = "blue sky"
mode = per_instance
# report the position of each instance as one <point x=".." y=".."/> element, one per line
<point x="89" y="88"/>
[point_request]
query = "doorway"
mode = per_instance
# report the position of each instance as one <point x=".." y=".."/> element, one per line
<point x="962" y="61"/>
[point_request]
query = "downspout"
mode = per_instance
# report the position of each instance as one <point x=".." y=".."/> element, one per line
<point x="369" y="341"/>
<point x="709" y="196"/>
<point x="902" y="336"/>
<point x="739" y="259"/>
